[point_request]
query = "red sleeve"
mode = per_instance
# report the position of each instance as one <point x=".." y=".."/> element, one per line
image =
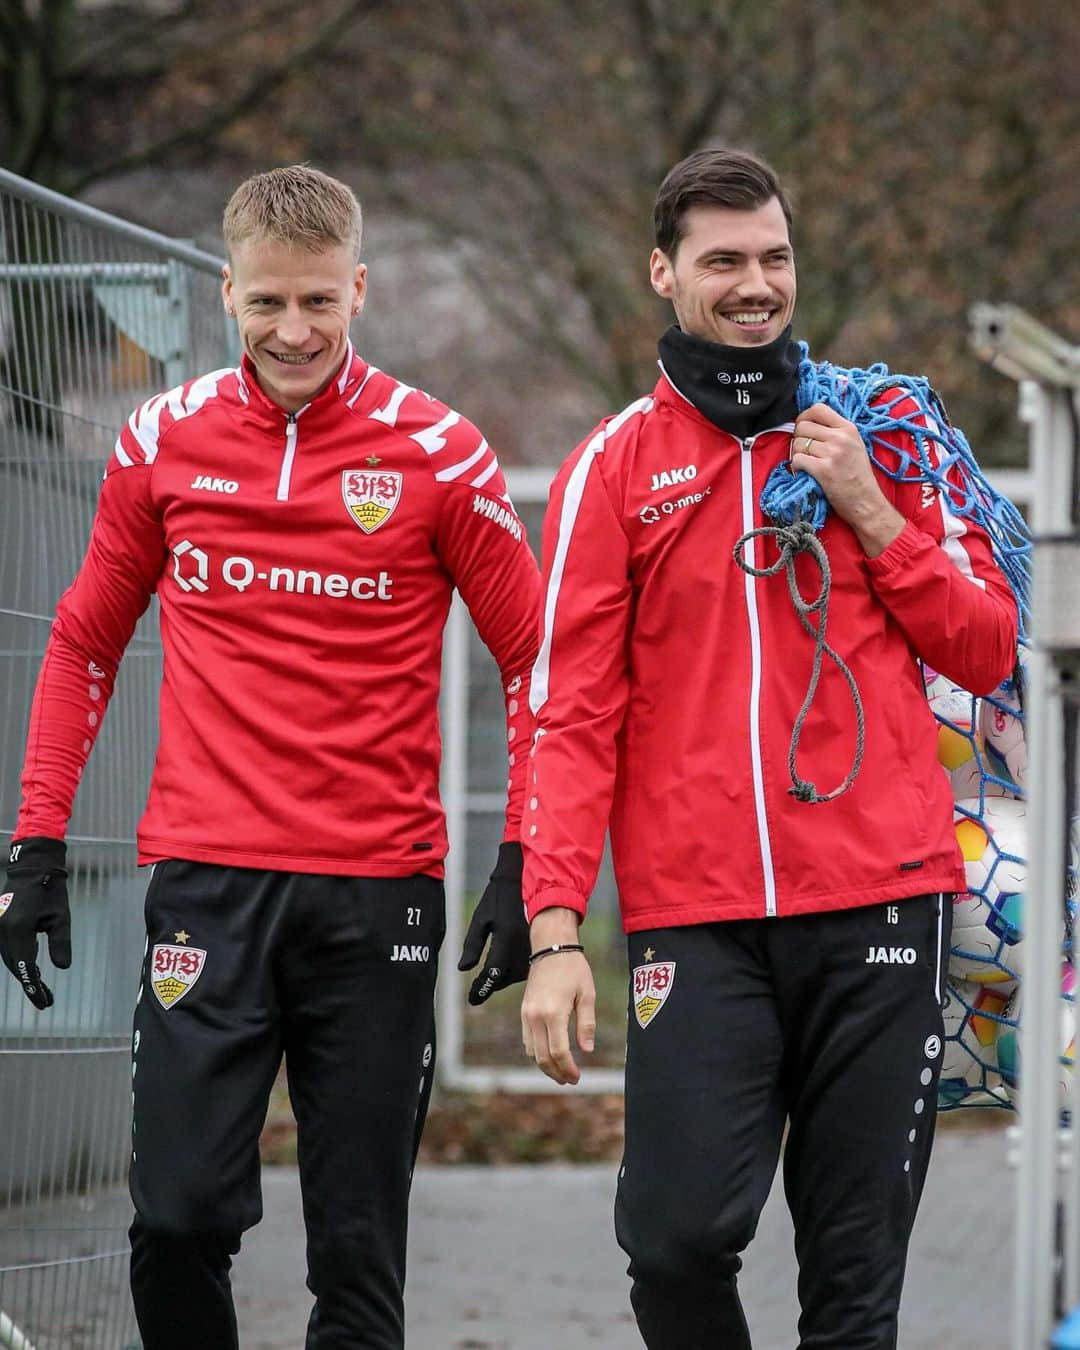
<point x="481" y="542"/>
<point x="580" y="684"/>
<point x="94" y="623"/>
<point x="940" y="583"/>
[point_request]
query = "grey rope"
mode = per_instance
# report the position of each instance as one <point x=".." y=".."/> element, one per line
<point x="792" y="540"/>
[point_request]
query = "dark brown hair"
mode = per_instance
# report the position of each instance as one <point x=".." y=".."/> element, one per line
<point x="732" y="178"/>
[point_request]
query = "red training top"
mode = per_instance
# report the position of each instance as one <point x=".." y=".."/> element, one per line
<point x="669" y="682"/>
<point x="304" y="564"/>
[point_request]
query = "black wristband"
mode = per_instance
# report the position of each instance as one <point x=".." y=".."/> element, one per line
<point x="556" y="947"/>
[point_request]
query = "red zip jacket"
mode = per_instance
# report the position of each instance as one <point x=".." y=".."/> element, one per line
<point x="669" y="681"/>
<point x="304" y="566"/>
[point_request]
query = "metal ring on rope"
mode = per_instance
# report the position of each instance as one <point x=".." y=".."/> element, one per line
<point x="791" y="541"/>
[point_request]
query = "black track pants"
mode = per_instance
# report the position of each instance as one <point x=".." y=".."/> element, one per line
<point x="339" y="974"/>
<point x="831" y="1022"/>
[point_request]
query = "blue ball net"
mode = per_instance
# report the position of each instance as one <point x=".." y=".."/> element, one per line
<point x="980" y="740"/>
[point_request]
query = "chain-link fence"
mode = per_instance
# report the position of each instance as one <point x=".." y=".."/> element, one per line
<point x="95" y="316"/>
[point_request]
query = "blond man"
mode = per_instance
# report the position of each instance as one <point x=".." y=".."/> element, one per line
<point x="303" y="520"/>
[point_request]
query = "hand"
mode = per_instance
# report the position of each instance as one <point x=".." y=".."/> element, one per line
<point x="560" y="986"/>
<point x="500" y="913"/>
<point x="831" y="450"/>
<point x="35" y="900"/>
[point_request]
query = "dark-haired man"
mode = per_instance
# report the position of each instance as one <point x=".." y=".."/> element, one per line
<point x="668" y="685"/>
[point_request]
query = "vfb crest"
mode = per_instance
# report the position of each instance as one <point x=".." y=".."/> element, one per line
<point x="174" y="970"/>
<point x="652" y="984"/>
<point x="371" y="496"/>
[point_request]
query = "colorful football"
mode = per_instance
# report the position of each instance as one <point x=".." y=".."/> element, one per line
<point x="969" y="1066"/>
<point x="1009" y="1040"/>
<point x="1001" y="723"/>
<point x="988" y="918"/>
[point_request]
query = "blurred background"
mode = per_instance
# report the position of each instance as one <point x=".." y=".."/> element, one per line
<point x="506" y="155"/>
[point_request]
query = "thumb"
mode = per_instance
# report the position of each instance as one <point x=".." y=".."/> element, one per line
<point x="59" y="934"/>
<point x="586" y="1021"/>
<point x="488" y="982"/>
<point x="475" y="938"/>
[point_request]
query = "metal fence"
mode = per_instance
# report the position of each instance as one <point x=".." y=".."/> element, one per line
<point x="95" y="316"/>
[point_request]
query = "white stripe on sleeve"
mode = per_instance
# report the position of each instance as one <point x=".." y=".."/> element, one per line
<point x="575" y="491"/>
<point x="954" y="526"/>
<point x="432" y="438"/>
<point x="456" y="470"/>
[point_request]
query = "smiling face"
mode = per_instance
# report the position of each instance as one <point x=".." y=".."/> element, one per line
<point x="731" y="278"/>
<point x="293" y="307"/>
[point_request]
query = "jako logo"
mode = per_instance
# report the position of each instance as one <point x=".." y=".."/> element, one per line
<point x="890" y="956"/>
<point x="216" y="484"/>
<point x="499" y="514"/>
<point x="670" y="477"/>
<point x="410" y="953"/>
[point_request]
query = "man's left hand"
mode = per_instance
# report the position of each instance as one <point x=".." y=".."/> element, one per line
<point x="500" y="914"/>
<point x="831" y="450"/>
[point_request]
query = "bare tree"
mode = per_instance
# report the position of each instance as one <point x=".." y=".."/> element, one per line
<point x="91" y="91"/>
<point x="928" y="150"/>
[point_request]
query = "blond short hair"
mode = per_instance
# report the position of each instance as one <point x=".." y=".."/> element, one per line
<point x="294" y="205"/>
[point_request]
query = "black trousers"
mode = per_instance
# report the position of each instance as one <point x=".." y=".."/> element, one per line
<point x="337" y="973"/>
<point x="828" y="1023"/>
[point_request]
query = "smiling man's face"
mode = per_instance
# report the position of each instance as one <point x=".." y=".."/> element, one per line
<point x="732" y="277"/>
<point x="293" y="308"/>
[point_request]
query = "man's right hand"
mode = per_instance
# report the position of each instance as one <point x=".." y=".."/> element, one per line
<point x="35" y="900"/>
<point x="559" y="986"/>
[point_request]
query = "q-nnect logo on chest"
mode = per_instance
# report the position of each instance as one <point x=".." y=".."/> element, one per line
<point x="371" y="496"/>
<point x="197" y="572"/>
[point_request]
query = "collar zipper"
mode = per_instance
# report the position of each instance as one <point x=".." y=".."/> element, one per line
<point x="764" y="844"/>
<point x="285" y="478"/>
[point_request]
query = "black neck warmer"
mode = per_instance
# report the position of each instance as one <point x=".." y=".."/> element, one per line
<point x="743" y="390"/>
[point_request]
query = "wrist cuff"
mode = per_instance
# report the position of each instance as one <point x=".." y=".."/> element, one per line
<point x="37" y="853"/>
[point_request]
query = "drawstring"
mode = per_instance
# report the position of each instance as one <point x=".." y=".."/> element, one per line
<point x="792" y="540"/>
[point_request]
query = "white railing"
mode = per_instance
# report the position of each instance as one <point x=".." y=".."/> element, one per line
<point x="1047" y="1230"/>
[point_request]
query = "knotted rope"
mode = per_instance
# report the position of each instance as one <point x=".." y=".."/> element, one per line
<point x="872" y="399"/>
<point x="882" y="404"/>
<point x="791" y="540"/>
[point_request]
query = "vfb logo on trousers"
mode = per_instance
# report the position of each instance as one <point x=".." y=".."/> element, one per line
<point x="174" y="970"/>
<point x="651" y="984"/>
<point x="891" y="956"/>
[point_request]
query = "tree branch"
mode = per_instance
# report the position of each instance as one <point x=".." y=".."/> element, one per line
<point x="248" y="99"/>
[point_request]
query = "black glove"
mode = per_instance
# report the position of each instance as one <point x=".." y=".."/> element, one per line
<point x="500" y="913"/>
<point x="35" y="900"/>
